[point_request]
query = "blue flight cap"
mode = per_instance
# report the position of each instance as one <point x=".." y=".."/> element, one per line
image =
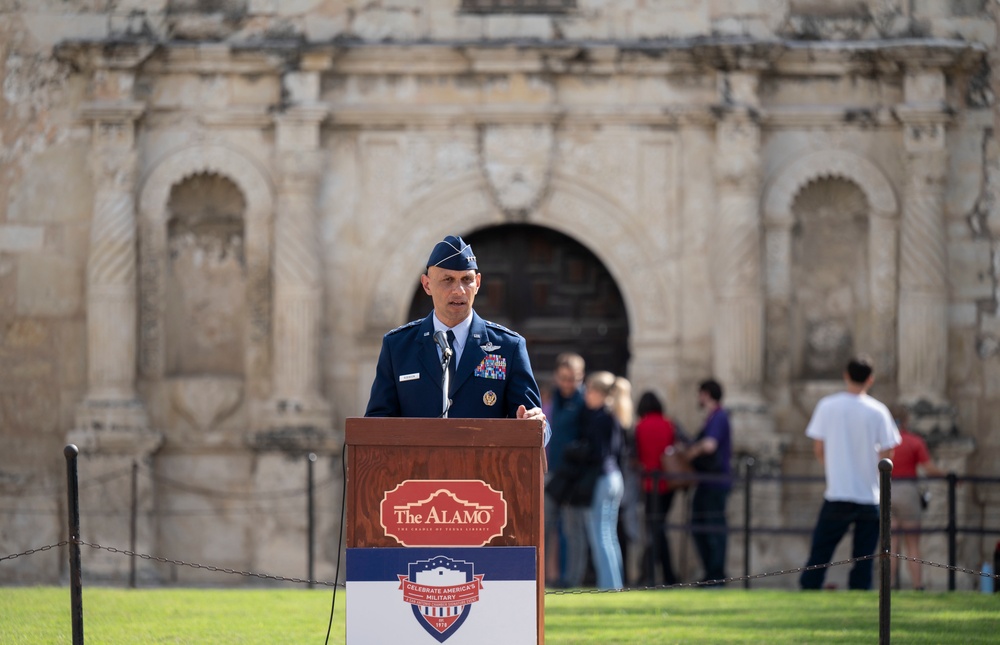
<point x="453" y="254"/>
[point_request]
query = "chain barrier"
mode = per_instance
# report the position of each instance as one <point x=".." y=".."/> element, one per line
<point x="206" y="567"/>
<point x="550" y="592"/>
<point x="983" y="574"/>
<point x="49" y="547"/>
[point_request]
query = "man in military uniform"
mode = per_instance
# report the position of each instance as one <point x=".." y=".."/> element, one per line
<point x="492" y="374"/>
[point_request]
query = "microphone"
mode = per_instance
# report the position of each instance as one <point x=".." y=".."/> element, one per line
<point x="442" y="340"/>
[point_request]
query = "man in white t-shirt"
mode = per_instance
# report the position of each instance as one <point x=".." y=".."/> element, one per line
<point x="851" y="433"/>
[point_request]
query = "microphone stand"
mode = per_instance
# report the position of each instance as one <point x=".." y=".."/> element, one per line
<point x="445" y="382"/>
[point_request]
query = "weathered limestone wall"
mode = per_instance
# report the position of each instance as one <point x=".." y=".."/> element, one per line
<point x="211" y="211"/>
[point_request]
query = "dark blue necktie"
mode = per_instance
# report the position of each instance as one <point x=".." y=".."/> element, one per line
<point x="454" y="357"/>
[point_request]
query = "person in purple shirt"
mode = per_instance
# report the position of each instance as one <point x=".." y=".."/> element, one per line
<point x="710" y="454"/>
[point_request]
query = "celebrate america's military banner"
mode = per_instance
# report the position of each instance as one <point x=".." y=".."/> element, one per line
<point x="441" y="595"/>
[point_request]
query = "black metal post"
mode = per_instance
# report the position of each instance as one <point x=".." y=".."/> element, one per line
<point x="885" y="577"/>
<point x="952" y="531"/>
<point x="996" y="568"/>
<point x="132" y="523"/>
<point x="311" y="521"/>
<point x="75" y="568"/>
<point x="747" y="506"/>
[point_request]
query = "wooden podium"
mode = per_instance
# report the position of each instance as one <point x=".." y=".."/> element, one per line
<point x="500" y="460"/>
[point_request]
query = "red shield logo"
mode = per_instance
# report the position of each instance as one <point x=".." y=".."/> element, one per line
<point x="450" y="512"/>
<point x="441" y="592"/>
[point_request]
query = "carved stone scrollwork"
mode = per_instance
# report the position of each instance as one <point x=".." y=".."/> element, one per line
<point x="517" y="163"/>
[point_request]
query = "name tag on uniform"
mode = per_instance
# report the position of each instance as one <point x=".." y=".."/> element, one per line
<point x="409" y="377"/>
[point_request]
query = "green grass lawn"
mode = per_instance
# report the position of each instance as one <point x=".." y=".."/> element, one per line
<point x="41" y="615"/>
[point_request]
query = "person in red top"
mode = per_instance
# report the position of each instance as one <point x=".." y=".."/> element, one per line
<point x="653" y="434"/>
<point x="906" y="503"/>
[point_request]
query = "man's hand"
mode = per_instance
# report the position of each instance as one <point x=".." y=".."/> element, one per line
<point x="536" y="413"/>
<point x="533" y="413"/>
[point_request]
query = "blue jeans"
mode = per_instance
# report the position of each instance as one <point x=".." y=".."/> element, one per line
<point x="602" y="530"/>
<point x="708" y="515"/>
<point x="834" y="520"/>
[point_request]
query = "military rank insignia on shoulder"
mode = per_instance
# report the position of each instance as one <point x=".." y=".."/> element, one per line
<point x="490" y="323"/>
<point x="412" y="323"/>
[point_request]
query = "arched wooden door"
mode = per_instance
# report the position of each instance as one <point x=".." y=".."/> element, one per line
<point x="551" y="290"/>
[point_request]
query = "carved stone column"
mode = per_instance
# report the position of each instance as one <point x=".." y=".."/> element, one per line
<point x="778" y="280"/>
<point x="111" y="417"/>
<point x="736" y="256"/>
<point x="299" y="415"/>
<point x="737" y="268"/>
<point x="923" y="257"/>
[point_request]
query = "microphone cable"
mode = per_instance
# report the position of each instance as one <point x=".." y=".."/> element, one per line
<point x="340" y="542"/>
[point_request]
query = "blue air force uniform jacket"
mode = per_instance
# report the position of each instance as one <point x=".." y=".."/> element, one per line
<point x="492" y="380"/>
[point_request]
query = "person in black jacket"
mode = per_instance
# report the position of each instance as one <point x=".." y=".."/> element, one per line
<point x="603" y="434"/>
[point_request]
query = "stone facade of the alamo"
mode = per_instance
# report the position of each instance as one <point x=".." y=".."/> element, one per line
<point x="212" y="211"/>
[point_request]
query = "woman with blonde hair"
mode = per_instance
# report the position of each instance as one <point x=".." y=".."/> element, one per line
<point x="603" y="432"/>
<point x="629" y="520"/>
<point x="621" y="402"/>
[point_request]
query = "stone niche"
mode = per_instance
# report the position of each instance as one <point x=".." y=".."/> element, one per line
<point x="204" y="307"/>
<point x="829" y="277"/>
<point x="204" y="296"/>
<point x="206" y="279"/>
